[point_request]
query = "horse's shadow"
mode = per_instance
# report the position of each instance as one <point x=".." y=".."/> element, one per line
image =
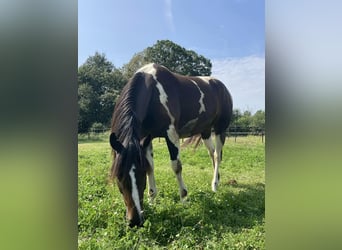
<point x="236" y="208"/>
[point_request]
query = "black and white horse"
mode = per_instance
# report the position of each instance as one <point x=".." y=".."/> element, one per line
<point x="159" y="103"/>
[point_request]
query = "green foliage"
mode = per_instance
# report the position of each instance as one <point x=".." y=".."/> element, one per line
<point x="172" y="56"/>
<point x="87" y="106"/>
<point x="178" y="59"/>
<point x="97" y="126"/>
<point x="137" y="61"/>
<point x="247" y="120"/>
<point x="99" y="85"/>
<point x="259" y="119"/>
<point x="232" y="218"/>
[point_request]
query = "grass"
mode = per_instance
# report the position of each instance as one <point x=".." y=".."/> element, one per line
<point x="231" y="218"/>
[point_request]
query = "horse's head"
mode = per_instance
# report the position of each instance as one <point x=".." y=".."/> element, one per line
<point x="130" y="167"/>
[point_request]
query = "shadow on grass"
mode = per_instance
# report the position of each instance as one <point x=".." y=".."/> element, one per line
<point x="208" y="214"/>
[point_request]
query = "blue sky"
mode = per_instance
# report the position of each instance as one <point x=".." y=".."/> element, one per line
<point x="231" y="33"/>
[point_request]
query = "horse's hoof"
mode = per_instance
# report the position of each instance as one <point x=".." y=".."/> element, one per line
<point x="152" y="194"/>
<point x="184" y="196"/>
<point x="184" y="193"/>
<point x="214" y="186"/>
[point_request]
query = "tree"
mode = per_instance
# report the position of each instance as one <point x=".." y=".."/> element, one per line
<point x="172" y="56"/>
<point x="236" y="116"/>
<point x="86" y="101"/>
<point x="258" y="120"/>
<point x="245" y="121"/>
<point x="99" y="85"/>
<point x="137" y="61"/>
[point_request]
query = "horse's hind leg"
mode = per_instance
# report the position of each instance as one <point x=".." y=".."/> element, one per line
<point x="208" y="142"/>
<point x="220" y="139"/>
<point x="152" y="189"/>
<point x="172" y="141"/>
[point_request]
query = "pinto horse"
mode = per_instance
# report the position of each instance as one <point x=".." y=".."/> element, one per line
<point x="159" y="103"/>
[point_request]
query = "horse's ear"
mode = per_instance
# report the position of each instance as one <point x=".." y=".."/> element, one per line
<point x="146" y="141"/>
<point x="114" y="142"/>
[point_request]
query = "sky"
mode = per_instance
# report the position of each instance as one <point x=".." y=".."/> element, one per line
<point x="231" y="33"/>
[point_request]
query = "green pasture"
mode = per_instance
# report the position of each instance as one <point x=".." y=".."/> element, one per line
<point x="232" y="218"/>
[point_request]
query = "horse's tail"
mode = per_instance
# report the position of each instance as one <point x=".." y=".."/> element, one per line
<point x="194" y="141"/>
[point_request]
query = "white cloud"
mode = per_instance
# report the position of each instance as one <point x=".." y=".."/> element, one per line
<point x="245" y="80"/>
<point x="169" y="15"/>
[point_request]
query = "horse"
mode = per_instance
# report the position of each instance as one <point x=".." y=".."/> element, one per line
<point x="159" y="103"/>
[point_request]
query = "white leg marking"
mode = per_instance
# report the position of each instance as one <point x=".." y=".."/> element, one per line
<point x="217" y="160"/>
<point x="149" y="156"/>
<point x="152" y="189"/>
<point x="173" y="136"/>
<point x="179" y="177"/>
<point x="210" y="146"/>
<point x="202" y="107"/>
<point x="135" y="193"/>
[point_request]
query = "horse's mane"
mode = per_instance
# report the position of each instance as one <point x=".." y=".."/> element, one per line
<point x="123" y="162"/>
<point x="124" y="119"/>
<point x="125" y="124"/>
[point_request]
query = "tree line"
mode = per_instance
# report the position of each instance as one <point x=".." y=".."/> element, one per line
<point x="100" y="82"/>
<point x="248" y="122"/>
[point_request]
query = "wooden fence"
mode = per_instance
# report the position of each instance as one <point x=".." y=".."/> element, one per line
<point x="233" y="131"/>
<point x="236" y="131"/>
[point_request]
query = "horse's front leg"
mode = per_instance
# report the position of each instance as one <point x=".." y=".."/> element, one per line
<point x="152" y="189"/>
<point x="172" y="141"/>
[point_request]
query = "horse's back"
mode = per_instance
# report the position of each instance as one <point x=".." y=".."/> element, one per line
<point x="192" y="104"/>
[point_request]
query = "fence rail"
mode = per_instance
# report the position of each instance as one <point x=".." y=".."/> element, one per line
<point x="234" y="131"/>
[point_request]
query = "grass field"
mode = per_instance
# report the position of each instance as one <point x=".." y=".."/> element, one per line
<point x="232" y="218"/>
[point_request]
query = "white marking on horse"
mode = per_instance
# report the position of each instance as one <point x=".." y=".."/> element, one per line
<point x="210" y="147"/>
<point x="182" y="187"/>
<point x="217" y="159"/>
<point x="202" y="107"/>
<point x="135" y="193"/>
<point x="150" y="174"/>
<point x="163" y="100"/>
<point x="149" y="156"/>
<point x="174" y="138"/>
<point x="149" y="69"/>
<point x="205" y="78"/>
<point x="171" y="132"/>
